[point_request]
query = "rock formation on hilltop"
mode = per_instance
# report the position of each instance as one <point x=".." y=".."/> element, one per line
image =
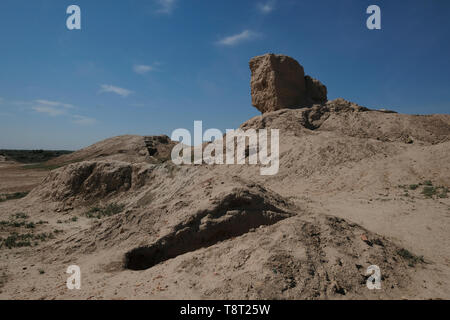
<point x="316" y="91"/>
<point x="279" y="82"/>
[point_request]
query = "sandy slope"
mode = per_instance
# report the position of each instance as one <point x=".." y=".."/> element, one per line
<point x="340" y="203"/>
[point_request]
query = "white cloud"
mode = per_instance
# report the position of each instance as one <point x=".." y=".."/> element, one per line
<point x="165" y="6"/>
<point x="245" y="35"/>
<point x="55" y="104"/>
<point x="117" y="90"/>
<point x="82" y="120"/>
<point x="51" y="108"/>
<point x="51" y="111"/>
<point x="56" y="108"/>
<point x="142" y="69"/>
<point x="267" y="7"/>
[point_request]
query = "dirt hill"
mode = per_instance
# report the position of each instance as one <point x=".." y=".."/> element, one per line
<point x="127" y="148"/>
<point x="356" y="188"/>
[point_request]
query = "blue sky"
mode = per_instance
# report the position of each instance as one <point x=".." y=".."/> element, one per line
<point x="151" y="66"/>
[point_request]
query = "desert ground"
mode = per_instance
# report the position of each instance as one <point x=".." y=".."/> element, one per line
<point x="356" y="187"/>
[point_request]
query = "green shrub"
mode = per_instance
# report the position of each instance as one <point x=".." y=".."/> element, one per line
<point x="443" y="193"/>
<point x="429" y="191"/>
<point x="411" y="258"/>
<point x="16" y="240"/>
<point x="30" y="225"/>
<point x="107" y="211"/>
<point x="20" y="215"/>
<point x="12" y="196"/>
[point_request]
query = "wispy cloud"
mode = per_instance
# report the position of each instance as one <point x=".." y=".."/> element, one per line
<point x="266" y="7"/>
<point x="56" y="108"/>
<point x="142" y="69"/>
<point x="55" y="104"/>
<point x="165" y="6"/>
<point x="117" y="90"/>
<point x="233" y="40"/>
<point x="82" y="120"/>
<point x="51" y="108"/>
<point x="51" y="111"/>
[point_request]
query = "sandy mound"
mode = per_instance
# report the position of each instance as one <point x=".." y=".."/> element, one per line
<point x="314" y="257"/>
<point x="91" y="180"/>
<point x="308" y="232"/>
<point x="248" y="242"/>
<point x="349" y="119"/>
<point x="159" y="148"/>
<point x="128" y="148"/>
<point x="230" y="215"/>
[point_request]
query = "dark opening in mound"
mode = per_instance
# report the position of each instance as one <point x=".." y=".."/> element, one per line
<point x="233" y="217"/>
